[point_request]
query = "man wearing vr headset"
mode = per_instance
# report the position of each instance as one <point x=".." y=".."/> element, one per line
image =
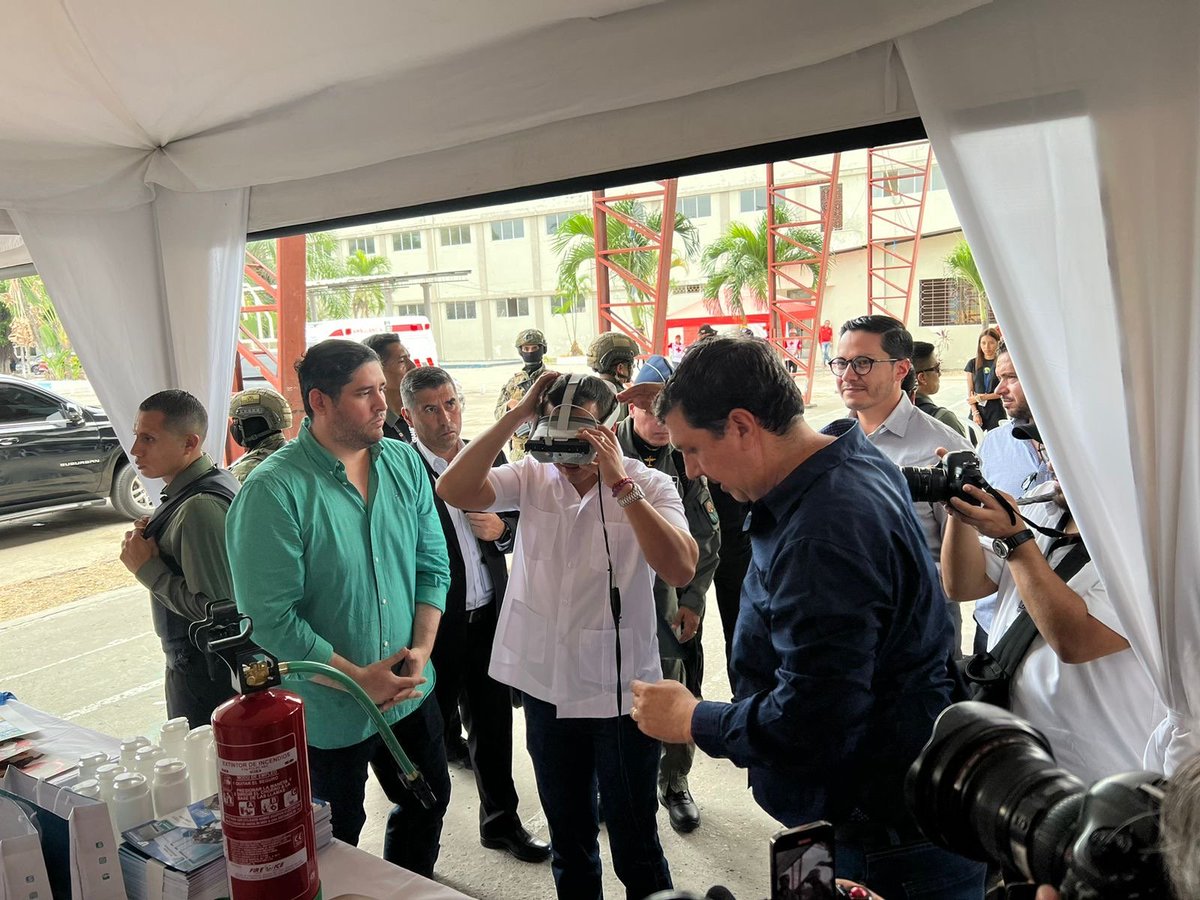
<point x="1078" y="682"/>
<point x="595" y="528"/>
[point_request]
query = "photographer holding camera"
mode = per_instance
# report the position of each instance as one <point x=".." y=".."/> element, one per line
<point x="1077" y="681"/>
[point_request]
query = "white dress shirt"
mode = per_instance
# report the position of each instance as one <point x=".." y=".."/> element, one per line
<point x="480" y="590"/>
<point x="555" y="639"/>
<point x="1098" y="716"/>
<point x="909" y="437"/>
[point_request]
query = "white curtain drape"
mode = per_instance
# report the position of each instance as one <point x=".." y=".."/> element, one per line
<point x="1069" y="135"/>
<point x="150" y="297"/>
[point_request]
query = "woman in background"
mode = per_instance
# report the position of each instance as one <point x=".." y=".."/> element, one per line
<point x="986" y="409"/>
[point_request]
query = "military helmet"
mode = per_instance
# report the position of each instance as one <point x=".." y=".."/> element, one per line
<point x="531" y="336"/>
<point x="609" y="349"/>
<point x="256" y="413"/>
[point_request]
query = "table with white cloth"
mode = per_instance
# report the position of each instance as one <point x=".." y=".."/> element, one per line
<point x="344" y="869"/>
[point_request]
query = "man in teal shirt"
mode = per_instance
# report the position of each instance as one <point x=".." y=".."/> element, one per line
<point x="337" y="555"/>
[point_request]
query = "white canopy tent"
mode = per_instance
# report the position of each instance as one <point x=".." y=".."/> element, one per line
<point x="139" y="142"/>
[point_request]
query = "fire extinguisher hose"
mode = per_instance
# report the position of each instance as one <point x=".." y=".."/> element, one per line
<point x="412" y="775"/>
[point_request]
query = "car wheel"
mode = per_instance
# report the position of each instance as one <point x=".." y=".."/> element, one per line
<point x="129" y="496"/>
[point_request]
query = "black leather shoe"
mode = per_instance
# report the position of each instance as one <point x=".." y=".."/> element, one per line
<point x="521" y="844"/>
<point x="681" y="809"/>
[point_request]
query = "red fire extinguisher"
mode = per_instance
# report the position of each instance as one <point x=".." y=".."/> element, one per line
<point x="266" y="800"/>
<point x="262" y="762"/>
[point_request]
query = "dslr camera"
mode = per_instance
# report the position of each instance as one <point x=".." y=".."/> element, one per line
<point x="937" y="484"/>
<point x="986" y="787"/>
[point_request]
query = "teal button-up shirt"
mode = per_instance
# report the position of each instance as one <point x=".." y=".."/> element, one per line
<point x="319" y="571"/>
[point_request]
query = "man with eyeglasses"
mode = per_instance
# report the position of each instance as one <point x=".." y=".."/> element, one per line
<point x="874" y="358"/>
<point x="928" y="370"/>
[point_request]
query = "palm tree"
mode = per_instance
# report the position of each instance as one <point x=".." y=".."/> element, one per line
<point x="366" y="299"/>
<point x="735" y="264"/>
<point x="322" y="261"/>
<point x="575" y="242"/>
<point x="961" y="263"/>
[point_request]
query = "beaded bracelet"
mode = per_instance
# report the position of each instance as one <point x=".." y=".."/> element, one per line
<point x="620" y="485"/>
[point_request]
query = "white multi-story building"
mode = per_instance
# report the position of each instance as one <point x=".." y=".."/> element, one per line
<point x="512" y="268"/>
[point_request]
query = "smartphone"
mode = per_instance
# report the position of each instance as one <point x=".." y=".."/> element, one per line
<point x="802" y="865"/>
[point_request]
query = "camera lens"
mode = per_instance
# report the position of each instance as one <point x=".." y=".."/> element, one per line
<point x="986" y="786"/>
<point x="926" y="484"/>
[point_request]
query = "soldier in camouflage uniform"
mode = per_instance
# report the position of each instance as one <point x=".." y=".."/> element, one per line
<point x="259" y="417"/>
<point x="611" y="356"/>
<point x="531" y="344"/>
<point x="680" y="611"/>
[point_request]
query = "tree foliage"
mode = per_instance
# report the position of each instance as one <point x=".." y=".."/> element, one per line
<point x="961" y="263"/>
<point x="575" y="244"/>
<point x="32" y="315"/>
<point x="735" y="264"/>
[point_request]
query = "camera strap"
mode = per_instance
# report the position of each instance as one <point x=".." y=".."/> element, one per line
<point x="1060" y="536"/>
<point x="991" y="672"/>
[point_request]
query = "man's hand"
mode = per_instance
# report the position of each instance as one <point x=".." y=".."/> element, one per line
<point x="984" y="513"/>
<point x="686" y="624"/>
<point x="385" y="687"/>
<point x="136" y="550"/>
<point x="664" y="710"/>
<point x="530" y="406"/>
<point x="609" y="458"/>
<point x="486" y="526"/>
<point x="1045" y="892"/>
<point x="641" y="395"/>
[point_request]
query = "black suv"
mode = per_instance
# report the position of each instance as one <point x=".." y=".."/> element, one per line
<point x="55" y="454"/>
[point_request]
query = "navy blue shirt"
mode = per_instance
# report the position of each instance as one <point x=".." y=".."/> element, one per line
<point x="841" y="654"/>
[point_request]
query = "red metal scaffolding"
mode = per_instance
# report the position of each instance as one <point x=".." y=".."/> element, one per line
<point x="897" y="183"/>
<point x="615" y="260"/>
<point x="806" y="195"/>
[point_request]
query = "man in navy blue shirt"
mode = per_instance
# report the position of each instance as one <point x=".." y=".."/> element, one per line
<point x="842" y="649"/>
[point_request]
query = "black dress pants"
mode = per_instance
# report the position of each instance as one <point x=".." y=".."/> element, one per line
<point x="413" y="835"/>
<point x="461" y="657"/>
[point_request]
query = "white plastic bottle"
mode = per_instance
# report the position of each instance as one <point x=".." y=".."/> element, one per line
<point x="105" y="775"/>
<point x="172" y="788"/>
<point x="89" y="787"/>
<point x="129" y="749"/>
<point x="196" y="747"/>
<point x="145" y="758"/>
<point x="89" y="763"/>
<point x="171" y="736"/>
<point x="131" y="804"/>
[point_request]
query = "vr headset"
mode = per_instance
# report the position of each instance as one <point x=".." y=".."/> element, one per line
<point x="555" y="437"/>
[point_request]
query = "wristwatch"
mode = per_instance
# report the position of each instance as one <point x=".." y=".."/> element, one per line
<point x="1004" y="547"/>
<point x="633" y="496"/>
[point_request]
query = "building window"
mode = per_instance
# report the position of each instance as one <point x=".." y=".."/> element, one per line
<point x="512" y="307"/>
<point x="837" y="204"/>
<point x="365" y="244"/>
<point x="406" y="240"/>
<point x="561" y="306"/>
<point x="508" y="229"/>
<point x="410" y="309"/>
<point x="456" y="235"/>
<point x="949" y="301"/>
<point x="460" y="309"/>
<point x="554" y="221"/>
<point x="909" y="185"/>
<point x="699" y="207"/>
<point x="754" y="200"/>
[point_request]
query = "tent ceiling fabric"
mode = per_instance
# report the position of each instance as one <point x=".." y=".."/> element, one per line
<point x="103" y="101"/>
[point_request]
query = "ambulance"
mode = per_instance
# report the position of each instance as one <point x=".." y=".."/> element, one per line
<point x="415" y="332"/>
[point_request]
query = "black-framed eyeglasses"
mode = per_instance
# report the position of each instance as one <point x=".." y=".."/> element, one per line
<point x="862" y="365"/>
<point x="937" y="369"/>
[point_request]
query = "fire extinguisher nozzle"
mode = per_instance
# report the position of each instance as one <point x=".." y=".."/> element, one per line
<point x="420" y="788"/>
